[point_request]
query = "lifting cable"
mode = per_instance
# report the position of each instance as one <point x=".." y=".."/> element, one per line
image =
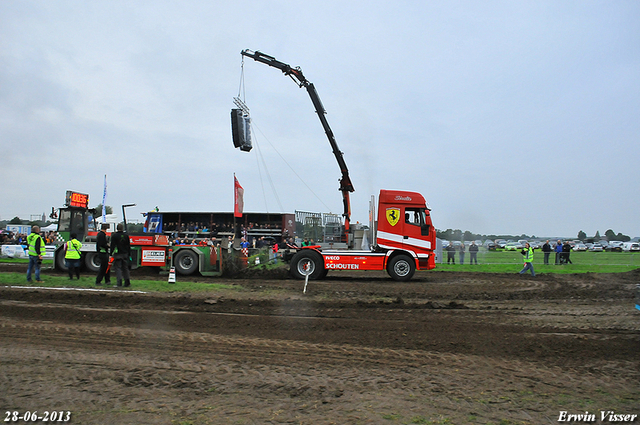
<point x="241" y="90"/>
<point x="294" y="171"/>
<point x="260" y="157"/>
<point x="241" y="86"/>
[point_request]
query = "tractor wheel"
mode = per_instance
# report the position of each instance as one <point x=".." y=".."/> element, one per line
<point x="92" y="262"/>
<point x="60" y="263"/>
<point x="186" y="262"/>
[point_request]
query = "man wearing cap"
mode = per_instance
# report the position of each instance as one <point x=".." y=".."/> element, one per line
<point x="102" y="247"/>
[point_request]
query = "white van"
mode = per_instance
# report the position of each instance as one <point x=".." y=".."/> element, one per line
<point x="631" y="246"/>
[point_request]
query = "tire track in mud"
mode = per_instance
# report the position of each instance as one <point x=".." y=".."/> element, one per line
<point x="139" y="361"/>
<point x="524" y="336"/>
<point x="265" y="349"/>
<point x="111" y="338"/>
<point x="90" y="344"/>
<point x="99" y="359"/>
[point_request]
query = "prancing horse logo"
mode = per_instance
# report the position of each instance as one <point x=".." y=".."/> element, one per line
<point x="393" y="216"/>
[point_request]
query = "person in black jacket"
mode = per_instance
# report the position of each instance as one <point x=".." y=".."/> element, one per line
<point x="102" y="247"/>
<point x="546" y="249"/>
<point x="121" y="251"/>
<point x="473" y="253"/>
<point x="566" y="253"/>
<point x="451" y="253"/>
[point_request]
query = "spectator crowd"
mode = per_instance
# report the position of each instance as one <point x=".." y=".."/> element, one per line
<point x="11" y="238"/>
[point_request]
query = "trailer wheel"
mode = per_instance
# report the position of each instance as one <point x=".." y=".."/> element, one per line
<point x="307" y="262"/>
<point x="60" y="263"/>
<point x="186" y="262"/>
<point x="92" y="262"/>
<point x="401" y="268"/>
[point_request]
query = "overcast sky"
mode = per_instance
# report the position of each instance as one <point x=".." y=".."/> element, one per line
<point x="510" y="117"/>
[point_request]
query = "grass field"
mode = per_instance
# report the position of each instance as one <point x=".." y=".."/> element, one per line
<point x="583" y="262"/>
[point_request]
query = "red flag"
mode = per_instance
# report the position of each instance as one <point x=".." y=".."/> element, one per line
<point x="239" y="201"/>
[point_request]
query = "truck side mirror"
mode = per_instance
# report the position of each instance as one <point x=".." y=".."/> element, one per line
<point x="424" y="230"/>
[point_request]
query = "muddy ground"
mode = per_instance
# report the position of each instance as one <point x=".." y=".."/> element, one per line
<point x="357" y="348"/>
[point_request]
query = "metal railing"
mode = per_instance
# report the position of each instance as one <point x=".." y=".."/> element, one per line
<point x="321" y="227"/>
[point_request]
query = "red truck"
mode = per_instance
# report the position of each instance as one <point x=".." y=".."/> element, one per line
<point x="402" y="235"/>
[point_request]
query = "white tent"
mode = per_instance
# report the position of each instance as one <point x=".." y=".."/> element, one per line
<point x="50" y="228"/>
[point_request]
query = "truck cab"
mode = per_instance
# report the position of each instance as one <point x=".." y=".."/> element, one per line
<point x="404" y="222"/>
<point x="403" y="241"/>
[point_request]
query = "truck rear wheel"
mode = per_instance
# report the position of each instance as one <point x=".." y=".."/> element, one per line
<point x="92" y="262"/>
<point x="401" y="268"/>
<point x="307" y="262"/>
<point x="186" y="262"/>
<point x="60" y="263"/>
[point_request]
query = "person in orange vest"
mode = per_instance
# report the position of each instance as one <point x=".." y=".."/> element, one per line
<point x="72" y="256"/>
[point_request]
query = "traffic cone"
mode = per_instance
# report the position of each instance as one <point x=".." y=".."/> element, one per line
<point x="172" y="275"/>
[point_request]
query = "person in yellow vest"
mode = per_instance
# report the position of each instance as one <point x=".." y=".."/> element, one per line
<point x="36" y="252"/>
<point x="527" y="252"/>
<point x="72" y="256"/>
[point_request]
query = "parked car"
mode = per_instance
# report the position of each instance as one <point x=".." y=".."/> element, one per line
<point x="513" y="246"/>
<point x="579" y="247"/>
<point x="501" y="243"/>
<point x="596" y="247"/>
<point x="631" y="246"/>
<point x="615" y="246"/>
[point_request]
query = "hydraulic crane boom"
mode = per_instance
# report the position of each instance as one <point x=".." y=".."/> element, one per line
<point x="296" y="75"/>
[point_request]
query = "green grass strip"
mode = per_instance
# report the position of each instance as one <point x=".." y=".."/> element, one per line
<point x="88" y="281"/>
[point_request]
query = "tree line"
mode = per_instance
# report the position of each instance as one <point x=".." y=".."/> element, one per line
<point x="459" y="235"/>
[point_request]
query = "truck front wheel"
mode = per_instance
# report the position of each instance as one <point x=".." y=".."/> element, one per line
<point x="186" y="262"/>
<point x="401" y="268"/>
<point x="307" y="262"/>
